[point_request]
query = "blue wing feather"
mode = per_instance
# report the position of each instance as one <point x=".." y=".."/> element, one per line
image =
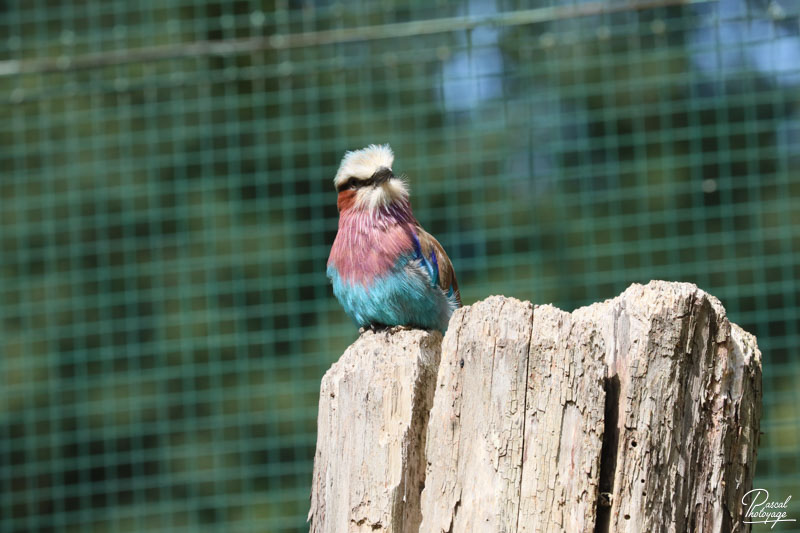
<point x="439" y="265"/>
<point x="431" y="265"/>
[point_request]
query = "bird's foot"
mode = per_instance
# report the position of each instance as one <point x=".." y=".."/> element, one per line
<point x="374" y="328"/>
<point x="378" y="328"/>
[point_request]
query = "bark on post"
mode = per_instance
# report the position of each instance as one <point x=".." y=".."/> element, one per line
<point x="640" y="413"/>
<point x="514" y="442"/>
<point x="374" y="403"/>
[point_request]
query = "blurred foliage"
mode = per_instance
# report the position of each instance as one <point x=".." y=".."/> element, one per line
<point x="165" y="222"/>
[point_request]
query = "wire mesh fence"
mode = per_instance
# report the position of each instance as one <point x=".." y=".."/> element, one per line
<point x="166" y="211"/>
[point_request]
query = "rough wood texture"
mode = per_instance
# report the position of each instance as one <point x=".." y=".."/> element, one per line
<point x="475" y="445"/>
<point x="640" y="413"/>
<point x="688" y="410"/>
<point x="564" y="423"/>
<point x="516" y="431"/>
<point x="374" y="402"/>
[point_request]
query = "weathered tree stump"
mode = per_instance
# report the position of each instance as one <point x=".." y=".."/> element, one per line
<point x="369" y="468"/>
<point x="640" y="413"/>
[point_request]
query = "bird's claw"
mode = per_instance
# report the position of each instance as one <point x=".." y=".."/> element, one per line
<point x="377" y="328"/>
<point x="374" y="328"/>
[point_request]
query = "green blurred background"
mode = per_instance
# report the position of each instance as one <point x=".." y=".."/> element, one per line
<point x="167" y="208"/>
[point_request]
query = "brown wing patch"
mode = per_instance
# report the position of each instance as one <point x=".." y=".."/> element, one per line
<point x="447" y="275"/>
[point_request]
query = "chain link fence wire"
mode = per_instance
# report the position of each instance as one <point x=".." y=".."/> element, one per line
<point x="166" y="211"/>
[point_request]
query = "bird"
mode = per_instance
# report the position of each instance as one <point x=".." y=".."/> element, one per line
<point x="386" y="270"/>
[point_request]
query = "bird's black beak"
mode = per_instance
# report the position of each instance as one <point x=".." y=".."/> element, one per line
<point x="382" y="175"/>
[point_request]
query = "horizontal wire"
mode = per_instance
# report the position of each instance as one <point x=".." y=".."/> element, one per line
<point x="230" y="47"/>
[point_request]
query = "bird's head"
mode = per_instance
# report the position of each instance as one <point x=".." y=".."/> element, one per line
<point x="365" y="179"/>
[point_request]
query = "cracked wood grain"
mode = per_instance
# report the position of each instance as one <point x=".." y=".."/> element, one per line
<point x="689" y="408"/>
<point x="640" y="413"/>
<point x="564" y="424"/>
<point x="475" y="446"/>
<point x="373" y="411"/>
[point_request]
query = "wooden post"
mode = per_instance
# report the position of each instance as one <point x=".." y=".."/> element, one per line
<point x="640" y="413"/>
<point x="369" y="467"/>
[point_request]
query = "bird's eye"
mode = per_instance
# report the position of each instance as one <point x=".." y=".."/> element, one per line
<point x="352" y="183"/>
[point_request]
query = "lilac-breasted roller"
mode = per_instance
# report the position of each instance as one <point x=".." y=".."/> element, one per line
<point x="385" y="269"/>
